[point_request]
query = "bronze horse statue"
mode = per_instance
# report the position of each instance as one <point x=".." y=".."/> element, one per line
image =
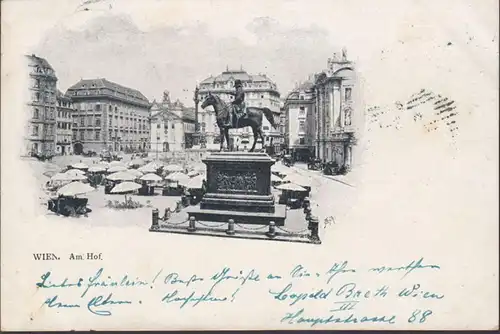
<point x="253" y="119"/>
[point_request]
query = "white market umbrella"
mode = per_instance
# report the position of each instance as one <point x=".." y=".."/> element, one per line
<point x="173" y="168"/>
<point x="97" y="168"/>
<point x="201" y="167"/>
<point x="104" y="164"/>
<point x="177" y="176"/>
<point x="75" y="188"/>
<point x="80" y="165"/>
<point x="121" y="176"/>
<point x="115" y="163"/>
<point x="75" y="175"/>
<point x="290" y="186"/>
<point x="275" y="178"/>
<point x="193" y="173"/>
<point x="116" y="168"/>
<point x="193" y="183"/>
<point x="137" y="162"/>
<point x="151" y="177"/>
<point x="75" y="172"/>
<point x="125" y="187"/>
<point x="147" y="169"/>
<point x="155" y="164"/>
<point x="134" y="172"/>
<point x="60" y="177"/>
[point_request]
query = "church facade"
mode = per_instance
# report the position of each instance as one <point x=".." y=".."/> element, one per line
<point x="338" y="116"/>
<point x="172" y="125"/>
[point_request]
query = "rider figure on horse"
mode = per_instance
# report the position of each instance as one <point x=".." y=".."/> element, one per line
<point x="238" y="103"/>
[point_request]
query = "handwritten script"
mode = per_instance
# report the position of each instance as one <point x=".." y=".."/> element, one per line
<point x="300" y="292"/>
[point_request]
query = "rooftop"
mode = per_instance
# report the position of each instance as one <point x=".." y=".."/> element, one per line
<point x="42" y="62"/>
<point x="237" y="75"/>
<point x="104" y="83"/>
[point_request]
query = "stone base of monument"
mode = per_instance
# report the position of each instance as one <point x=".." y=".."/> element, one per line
<point x="238" y="203"/>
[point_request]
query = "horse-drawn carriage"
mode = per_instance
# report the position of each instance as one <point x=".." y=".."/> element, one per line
<point x="331" y="168"/>
<point x="288" y="160"/>
<point x="69" y="206"/>
<point x="315" y="164"/>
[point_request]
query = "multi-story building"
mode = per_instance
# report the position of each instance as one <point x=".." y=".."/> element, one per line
<point x="40" y="136"/>
<point x="109" y="116"/>
<point x="299" y="122"/>
<point x="64" y="121"/>
<point x="338" y="118"/>
<point x="172" y="125"/>
<point x="189" y="125"/>
<point x="260" y="91"/>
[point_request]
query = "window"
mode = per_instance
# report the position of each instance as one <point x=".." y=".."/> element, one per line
<point x="301" y="97"/>
<point x="37" y="97"/>
<point x="110" y="108"/>
<point x="35" y="130"/>
<point x="82" y="135"/>
<point x="348" y="93"/>
<point x="302" y="141"/>
<point x="173" y="126"/>
<point x="302" y="111"/>
<point x="82" y="121"/>
<point x="158" y="125"/>
<point x="97" y="122"/>
<point x="97" y="135"/>
<point x="262" y="96"/>
<point x="97" y="107"/>
<point x="116" y="109"/>
<point x="265" y="128"/>
<point x="36" y="113"/>
<point x="302" y="126"/>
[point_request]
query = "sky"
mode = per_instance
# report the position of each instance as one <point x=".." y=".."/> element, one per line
<point x="155" y="45"/>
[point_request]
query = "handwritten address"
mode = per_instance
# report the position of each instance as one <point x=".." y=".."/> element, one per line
<point x="102" y="294"/>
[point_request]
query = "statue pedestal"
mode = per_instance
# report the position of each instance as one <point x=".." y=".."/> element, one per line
<point x="239" y="188"/>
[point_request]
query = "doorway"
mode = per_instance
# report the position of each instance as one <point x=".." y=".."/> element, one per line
<point x="78" y="148"/>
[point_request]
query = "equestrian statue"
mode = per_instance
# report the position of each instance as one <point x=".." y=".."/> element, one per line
<point x="236" y="115"/>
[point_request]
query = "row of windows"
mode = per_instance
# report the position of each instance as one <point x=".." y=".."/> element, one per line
<point x="96" y="135"/>
<point x="230" y="85"/>
<point x="63" y="114"/>
<point x="99" y="92"/>
<point x="47" y="84"/>
<point x="64" y="125"/>
<point x="46" y="97"/>
<point x="48" y="115"/>
<point x="99" y="108"/>
<point x="65" y="104"/>
<point x="43" y="146"/>
<point x="39" y="130"/>
<point x="158" y="126"/>
<point x="43" y="70"/>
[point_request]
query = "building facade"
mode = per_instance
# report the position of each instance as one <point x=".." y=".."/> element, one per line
<point x="300" y="123"/>
<point x="64" y="124"/>
<point x="109" y="116"/>
<point x="189" y="125"/>
<point x="337" y="115"/>
<point x="40" y="135"/>
<point x="260" y="91"/>
<point x="172" y="125"/>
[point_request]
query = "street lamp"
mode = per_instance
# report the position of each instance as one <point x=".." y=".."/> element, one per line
<point x="157" y="141"/>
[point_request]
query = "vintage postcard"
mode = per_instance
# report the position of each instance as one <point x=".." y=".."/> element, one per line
<point x="261" y="164"/>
